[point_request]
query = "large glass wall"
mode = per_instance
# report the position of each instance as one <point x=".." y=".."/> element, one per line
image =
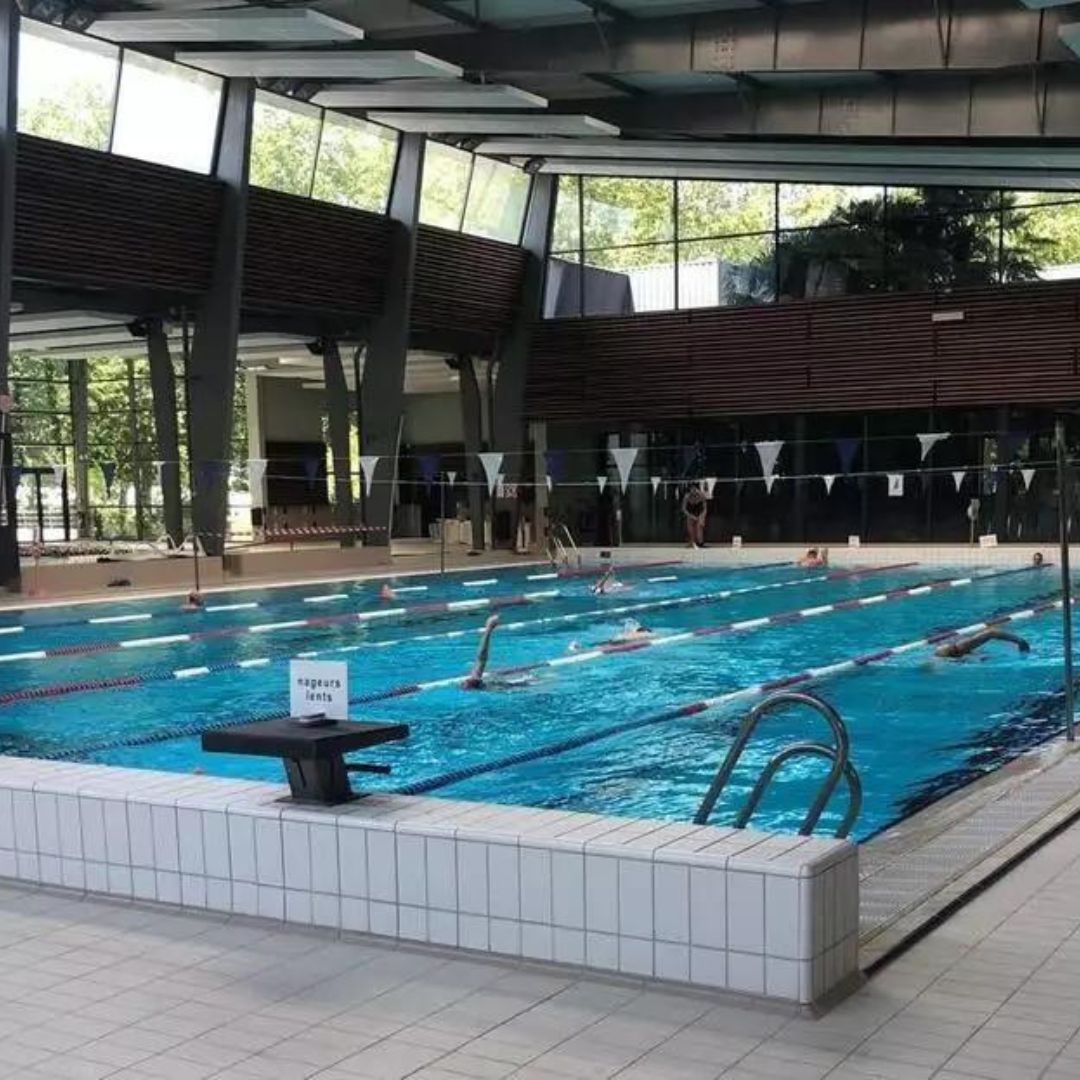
<point x="624" y="244"/>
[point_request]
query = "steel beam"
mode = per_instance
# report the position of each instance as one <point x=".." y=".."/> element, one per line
<point x="382" y="393"/>
<point x="163" y="392"/>
<point x="212" y="371"/>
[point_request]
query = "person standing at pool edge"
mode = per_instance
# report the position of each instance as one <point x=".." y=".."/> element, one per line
<point x="695" y="508"/>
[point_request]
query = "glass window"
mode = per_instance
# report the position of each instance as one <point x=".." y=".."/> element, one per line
<point x="355" y="163"/>
<point x="284" y="141"/>
<point x="627" y="210"/>
<point x="166" y="113"/>
<point x="67" y="83"/>
<point x="727" y="272"/>
<point x="445" y="185"/>
<point x="567" y="230"/>
<point x="725" y="208"/>
<point x="805" y="205"/>
<point x="497" y="197"/>
<point x="622" y="280"/>
<point x="1041" y="235"/>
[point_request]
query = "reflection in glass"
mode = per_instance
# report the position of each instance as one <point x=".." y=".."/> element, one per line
<point x="567" y="231"/>
<point x="805" y="205"/>
<point x="67" y="83"/>
<point x="497" y="197"/>
<point x="562" y="287"/>
<point x="284" y="141"/>
<point x="1046" y="228"/>
<point x="627" y="210"/>
<point x="619" y="281"/>
<point x="727" y="272"/>
<point x="723" y="208"/>
<point x="355" y="163"/>
<point x="166" y="113"/>
<point x="445" y="185"/>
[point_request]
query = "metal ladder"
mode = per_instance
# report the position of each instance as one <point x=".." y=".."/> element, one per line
<point x="838" y="753"/>
<point x="560" y="553"/>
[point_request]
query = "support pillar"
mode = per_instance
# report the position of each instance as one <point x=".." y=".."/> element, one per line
<point x="78" y="385"/>
<point x="337" y="411"/>
<point x="163" y="391"/>
<point x="382" y="392"/>
<point x="256" y="448"/>
<point x="472" y="421"/>
<point x="799" y="465"/>
<point x="212" y="373"/>
<point x="9" y="81"/>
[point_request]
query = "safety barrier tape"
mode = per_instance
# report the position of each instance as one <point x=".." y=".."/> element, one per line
<point x="693" y="708"/>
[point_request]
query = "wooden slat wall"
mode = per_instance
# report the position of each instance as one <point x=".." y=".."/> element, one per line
<point x="84" y="217"/>
<point x="1016" y="345"/>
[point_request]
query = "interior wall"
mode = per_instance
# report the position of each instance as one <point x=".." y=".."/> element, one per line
<point x="432" y="419"/>
<point x="291" y="413"/>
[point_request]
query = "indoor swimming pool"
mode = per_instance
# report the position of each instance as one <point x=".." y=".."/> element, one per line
<point x="573" y="717"/>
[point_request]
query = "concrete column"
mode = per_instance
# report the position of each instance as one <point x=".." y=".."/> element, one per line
<point x="337" y="411"/>
<point x="472" y="425"/>
<point x="163" y="390"/>
<point x="538" y="438"/>
<point x="382" y="392"/>
<point x="9" y="82"/>
<point x="256" y="446"/>
<point x="79" y="389"/>
<point x="212" y="370"/>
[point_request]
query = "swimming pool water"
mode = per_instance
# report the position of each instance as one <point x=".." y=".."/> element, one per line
<point x="919" y="727"/>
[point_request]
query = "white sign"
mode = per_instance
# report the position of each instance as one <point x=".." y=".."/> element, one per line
<point x="989" y="540"/>
<point x="736" y="541"/>
<point x="854" y="541"/>
<point x="319" y="687"/>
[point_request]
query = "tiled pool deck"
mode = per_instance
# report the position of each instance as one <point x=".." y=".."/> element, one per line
<point x="94" y="988"/>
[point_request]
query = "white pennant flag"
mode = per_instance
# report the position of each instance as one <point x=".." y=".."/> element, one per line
<point x="492" y="462"/>
<point x="451" y="475"/>
<point x="256" y="472"/>
<point x="1028" y="475"/>
<point x="929" y="440"/>
<point x="830" y="479"/>
<point x="625" y="457"/>
<point x="601" y="483"/>
<point x="547" y="480"/>
<point x="958" y="479"/>
<point x="58" y="473"/>
<point x="655" y="481"/>
<point x="769" y="481"/>
<point x="896" y="485"/>
<point x="368" y="462"/>
<point x="709" y="484"/>
<point x="768" y="452"/>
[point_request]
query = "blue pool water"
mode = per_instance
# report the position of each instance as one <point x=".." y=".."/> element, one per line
<point x="920" y="728"/>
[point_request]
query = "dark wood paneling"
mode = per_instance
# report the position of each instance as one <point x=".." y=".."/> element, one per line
<point x="1016" y="345"/>
<point x="87" y="218"/>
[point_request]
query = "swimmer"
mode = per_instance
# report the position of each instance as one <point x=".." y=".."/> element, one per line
<point x="814" y="559"/>
<point x="1037" y="559"/>
<point x="194" y="601"/>
<point x="631" y="630"/>
<point x="607" y="582"/>
<point x="957" y="650"/>
<point x="387" y="593"/>
<point x="475" y="680"/>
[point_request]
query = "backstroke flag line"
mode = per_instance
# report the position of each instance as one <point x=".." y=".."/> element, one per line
<point x="1028" y="475"/>
<point x="492" y="462"/>
<point x="958" y="479"/>
<point x="830" y="479"/>
<point x="624" y="456"/>
<point x="601" y="483"/>
<point x="655" y="481"/>
<point x="928" y="440"/>
<point x="768" y="452"/>
<point x="368" y="462"/>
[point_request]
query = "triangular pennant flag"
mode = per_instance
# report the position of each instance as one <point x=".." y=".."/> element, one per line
<point x="108" y="474"/>
<point x="958" y="479"/>
<point x="451" y="475"/>
<point x="601" y="483"/>
<point x="829" y="479"/>
<point x="256" y="472"/>
<point x="429" y="467"/>
<point x="1028" y="475"/>
<point x="929" y="440"/>
<point x="547" y="481"/>
<point x="367" y="468"/>
<point x="554" y="460"/>
<point x="58" y="473"/>
<point x="655" y="481"/>
<point x="709" y="484"/>
<point x="492" y="462"/>
<point x="769" y="481"/>
<point x="896" y="485"/>
<point x="847" y="449"/>
<point x="624" y="456"/>
<point x="768" y="452"/>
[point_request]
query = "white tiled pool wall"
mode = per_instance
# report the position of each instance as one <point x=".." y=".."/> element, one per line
<point x="757" y="913"/>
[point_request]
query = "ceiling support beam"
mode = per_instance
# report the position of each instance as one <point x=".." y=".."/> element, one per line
<point x="9" y="85"/>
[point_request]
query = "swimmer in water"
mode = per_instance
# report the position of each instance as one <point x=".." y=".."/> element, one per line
<point x="607" y="582"/>
<point x="1037" y="559"/>
<point x="962" y="647"/>
<point x="386" y="593"/>
<point x="194" y="601"/>
<point x="814" y="559"/>
<point x="631" y="630"/>
<point x="476" y="680"/>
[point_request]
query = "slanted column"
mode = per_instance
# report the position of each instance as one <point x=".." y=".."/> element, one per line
<point x="382" y="392"/>
<point x="256" y="449"/>
<point x="337" y="411"/>
<point x="163" y="391"/>
<point x="9" y="81"/>
<point x="78" y="386"/>
<point x="472" y="421"/>
<point x="212" y="370"/>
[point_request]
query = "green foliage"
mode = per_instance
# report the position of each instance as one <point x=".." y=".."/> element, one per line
<point x="283" y="147"/>
<point x="81" y="115"/>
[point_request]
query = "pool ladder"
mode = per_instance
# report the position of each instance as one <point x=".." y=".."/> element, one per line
<point x="839" y="754"/>
<point x="559" y="552"/>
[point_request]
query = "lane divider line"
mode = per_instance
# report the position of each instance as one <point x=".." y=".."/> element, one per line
<point x="479" y="584"/>
<point x="326" y="599"/>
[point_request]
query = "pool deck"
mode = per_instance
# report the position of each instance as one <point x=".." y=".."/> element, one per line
<point x="94" y="989"/>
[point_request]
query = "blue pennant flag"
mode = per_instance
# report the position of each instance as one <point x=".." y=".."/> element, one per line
<point x="847" y="449"/>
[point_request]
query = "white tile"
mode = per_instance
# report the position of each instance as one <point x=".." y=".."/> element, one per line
<point x="166" y="846"/>
<point x="782" y="978"/>
<point x="412" y="923"/>
<point x="167" y="886"/>
<point x="384" y="918"/>
<point x="411" y="870"/>
<point x="245" y="898"/>
<point x="473" y="932"/>
<point x="636" y="956"/>
<point x="746" y="972"/>
<point x="746" y="912"/>
<point x="117" y="834"/>
<point x="271" y="900"/>
<point x="568" y="889"/>
<point x="672" y="961"/>
<point x="442" y="927"/>
<point x="636" y="899"/>
<point x="48" y="823"/>
<point x="296" y="855"/>
<point x="352" y="861"/>
<point x="326" y="909"/>
<point x="92" y="828"/>
<point x="219" y="894"/>
<point x="569" y="946"/>
<point x="382" y="866"/>
<point x="355" y="915"/>
<point x="143" y="883"/>
<point x="537" y="941"/>
<point x="7" y="822"/>
<point x="120" y="880"/>
<point x="782" y="916"/>
<point x="27" y="866"/>
<point x="50" y="869"/>
<point x="24" y="817"/>
<point x="140" y="834"/>
<point x="193" y="890"/>
<point x="269" y="864"/>
<point x="671" y="902"/>
<point x="602" y="950"/>
<point x="298" y="907"/>
<point x="67" y="808"/>
<point x="708" y="907"/>
<point x="324" y="858"/>
<point x="601" y="894"/>
<point x="505" y="936"/>
<point x="472" y="878"/>
<point x="242" y="847"/>
<point x="708" y="966"/>
<point x="832" y="921"/>
<point x="504" y="883"/>
<point x="97" y="877"/>
<point x="72" y="872"/>
<point x="536" y="886"/>
<point x="189" y="831"/>
<point x="215" y="834"/>
<point x="442" y="891"/>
